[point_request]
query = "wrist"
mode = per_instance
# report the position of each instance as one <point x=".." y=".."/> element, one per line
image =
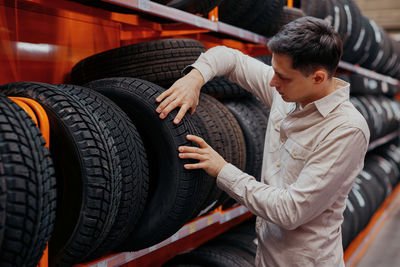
<point x="196" y="75"/>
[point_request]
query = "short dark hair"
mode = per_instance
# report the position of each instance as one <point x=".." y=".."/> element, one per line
<point x="311" y="43"/>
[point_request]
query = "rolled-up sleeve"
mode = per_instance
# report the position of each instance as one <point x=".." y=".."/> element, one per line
<point x="331" y="167"/>
<point x="248" y="72"/>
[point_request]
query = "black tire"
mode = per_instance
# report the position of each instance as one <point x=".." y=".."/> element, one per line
<point x="288" y="15"/>
<point x="356" y="37"/>
<point x="27" y="188"/>
<point x="374" y="188"/>
<point x="380" y="113"/>
<point x="339" y="19"/>
<point x="267" y="23"/>
<point x="160" y="62"/>
<point x="376" y="52"/>
<point x="174" y="192"/>
<point x="346" y="227"/>
<point x="85" y="163"/>
<point x="232" y="138"/>
<point x="214" y="136"/>
<point x="386" y="167"/>
<point x="252" y="117"/>
<point x="195" y="6"/>
<point x="134" y="166"/>
<point x="362" y="108"/>
<point x="221" y="256"/>
<point x="354" y="215"/>
<point x="221" y="88"/>
<point x="358" y="199"/>
<point x="376" y="122"/>
<point x="383" y="179"/>
<point x="240" y="241"/>
<point x="241" y="13"/>
<point x="363" y="85"/>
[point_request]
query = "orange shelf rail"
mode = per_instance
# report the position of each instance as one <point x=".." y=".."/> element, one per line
<point x="39" y="116"/>
<point x="190" y="236"/>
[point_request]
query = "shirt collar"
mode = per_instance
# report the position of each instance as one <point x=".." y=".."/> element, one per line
<point x="328" y="103"/>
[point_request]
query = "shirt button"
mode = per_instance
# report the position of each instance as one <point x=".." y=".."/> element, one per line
<point x="282" y="139"/>
<point x="294" y="153"/>
<point x="278" y="165"/>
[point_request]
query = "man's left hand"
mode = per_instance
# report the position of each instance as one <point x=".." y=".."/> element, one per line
<point x="208" y="158"/>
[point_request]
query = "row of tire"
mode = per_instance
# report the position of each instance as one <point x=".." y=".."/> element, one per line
<point x="381" y="113"/>
<point x="237" y="247"/>
<point x="114" y="167"/>
<point x="365" y="43"/>
<point x="364" y="85"/>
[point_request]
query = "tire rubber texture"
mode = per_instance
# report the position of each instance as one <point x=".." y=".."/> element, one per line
<point x="356" y="197"/>
<point x="28" y="188"/>
<point x="267" y="23"/>
<point x="241" y="13"/>
<point x="159" y="62"/>
<point x="232" y="140"/>
<point x="86" y="168"/>
<point x="174" y="192"/>
<point x="221" y="88"/>
<point x="288" y="14"/>
<point x="365" y="112"/>
<point x="252" y="117"/>
<point x="363" y="85"/>
<point x="133" y="159"/>
<point x="346" y="227"/>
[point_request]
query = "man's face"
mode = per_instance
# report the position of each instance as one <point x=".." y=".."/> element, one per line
<point x="291" y="84"/>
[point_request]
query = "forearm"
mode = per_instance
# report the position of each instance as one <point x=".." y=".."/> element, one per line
<point x="249" y="73"/>
<point x="269" y="202"/>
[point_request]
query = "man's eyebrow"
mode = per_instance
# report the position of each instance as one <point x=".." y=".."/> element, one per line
<point x="280" y="75"/>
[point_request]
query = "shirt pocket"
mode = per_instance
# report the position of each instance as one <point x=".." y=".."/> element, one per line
<point x="274" y="129"/>
<point x="294" y="157"/>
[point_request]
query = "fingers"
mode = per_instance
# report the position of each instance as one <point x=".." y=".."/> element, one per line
<point x="194" y="166"/>
<point x="191" y="156"/>
<point x="190" y="149"/>
<point x="164" y="95"/>
<point x="166" y="106"/>
<point x="181" y="113"/>
<point x="197" y="140"/>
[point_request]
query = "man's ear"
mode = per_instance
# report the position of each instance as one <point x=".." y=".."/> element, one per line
<point x="320" y="76"/>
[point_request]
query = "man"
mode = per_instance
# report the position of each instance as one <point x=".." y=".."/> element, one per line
<point x="314" y="147"/>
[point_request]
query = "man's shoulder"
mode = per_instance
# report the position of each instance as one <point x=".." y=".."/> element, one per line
<point x="352" y="118"/>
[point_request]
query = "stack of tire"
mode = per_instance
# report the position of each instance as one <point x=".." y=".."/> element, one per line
<point x="364" y="42"/>
<point x="120" y="184"/>
<point x="372" y="186"/>
<point x="234" y="126"/>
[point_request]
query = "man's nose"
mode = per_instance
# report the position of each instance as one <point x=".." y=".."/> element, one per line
<point x="274" y="82"/>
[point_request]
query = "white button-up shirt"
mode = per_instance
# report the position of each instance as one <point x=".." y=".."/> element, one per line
<point x="311" y="159"/>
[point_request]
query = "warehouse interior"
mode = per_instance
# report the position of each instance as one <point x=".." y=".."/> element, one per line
<point x="90" y="174"/>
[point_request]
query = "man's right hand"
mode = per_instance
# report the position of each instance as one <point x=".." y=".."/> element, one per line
<point x="184" y="93"/>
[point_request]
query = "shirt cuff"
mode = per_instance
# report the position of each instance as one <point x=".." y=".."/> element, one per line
<point x="227" y="177"/>
<point x="203" y="68"/>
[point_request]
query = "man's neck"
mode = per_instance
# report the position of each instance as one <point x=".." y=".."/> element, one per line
<point x="324" y="89"/>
